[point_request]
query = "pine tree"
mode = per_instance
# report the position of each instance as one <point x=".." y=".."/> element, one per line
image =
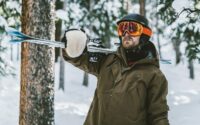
<point x="7" y="13"/>
<point x="142" y="7"/>
<point x="186" y="31"/>
<point x="60" y="5"/>
<point x="96" y="17"/>
<point x="37" y="64"/>
<point x="101" y="17"/>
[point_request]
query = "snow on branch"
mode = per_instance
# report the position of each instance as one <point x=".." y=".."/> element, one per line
<point x="189" y="11"/>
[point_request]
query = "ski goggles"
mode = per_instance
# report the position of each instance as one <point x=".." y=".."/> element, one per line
<point x="133" y="29"/>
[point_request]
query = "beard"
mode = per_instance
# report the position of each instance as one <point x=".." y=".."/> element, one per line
<point x="128" y="42"/>
<point x="127" y="38"/>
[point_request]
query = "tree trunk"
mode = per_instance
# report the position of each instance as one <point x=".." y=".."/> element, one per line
<point x="11" y="52"/>
<point x="159" y="46"/>
<point x="176" y="46"/>
<point x="158" y="33"/>
<point x="59" y="5"/>
<point x="142" y="7"/>
<point x="127" y="5"/>
<point x="62" y="73"/>
<point x="85" y="79"/>
<point x="18" y="52"/>
<point x="191" y="68"/>
<point x="37" y="64"/>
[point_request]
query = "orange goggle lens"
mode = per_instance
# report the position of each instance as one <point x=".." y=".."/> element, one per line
<point x="133" y="29"/>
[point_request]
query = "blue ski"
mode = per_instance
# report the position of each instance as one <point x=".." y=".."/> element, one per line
<point x="20" y="37"/>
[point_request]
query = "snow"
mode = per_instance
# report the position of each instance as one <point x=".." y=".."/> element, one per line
<point x="3" y="22"/>
<point x="178" y="6"/>
<point x="71" y="106"/>
<point x="198" y="6"/>
<point x="61" y="14"/>
<point x="183" y="96"/>
<point x="112" y="7"/>
<point x="9" y="101"/>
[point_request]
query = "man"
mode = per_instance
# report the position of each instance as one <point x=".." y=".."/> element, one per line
<point x="131" y="89"/>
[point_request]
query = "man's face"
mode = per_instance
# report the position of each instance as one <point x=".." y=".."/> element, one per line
<point x="130" y="41"/>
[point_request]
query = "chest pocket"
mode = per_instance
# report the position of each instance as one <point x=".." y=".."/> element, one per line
<point x="116" y="72"/>
<point x="109" y="77"/>
<point x="125" y="101"/>
<point x="119" y="94"/>
<point x="137" y="89"/>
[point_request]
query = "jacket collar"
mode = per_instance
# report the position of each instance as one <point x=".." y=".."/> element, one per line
<point x="150" y="60"/>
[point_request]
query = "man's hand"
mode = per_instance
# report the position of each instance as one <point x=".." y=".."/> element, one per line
<point x="75" y="41"/>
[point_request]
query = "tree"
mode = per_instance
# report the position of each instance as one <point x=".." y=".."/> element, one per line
<point x="186" y="30"/>
<point x="157" y="25"/>
<point x="5" y="68"/>
<point x="97" y="17"/>
<point x="127" y="5"/>
<point x="142" y="7"/>
<point x="85" y="79"/>
<point x="37" y="64"/>
<point x="101" y="15"/>
<point x="59" y="5"/>
<point x="9" y="15"/>
<point x="86" y="76"/>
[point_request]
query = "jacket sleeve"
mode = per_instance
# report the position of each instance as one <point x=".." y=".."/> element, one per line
<point x="82" y="62"/>
<point x="156" y="101"/>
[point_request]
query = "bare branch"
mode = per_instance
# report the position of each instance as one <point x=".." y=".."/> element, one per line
<point x="189" y="11"/>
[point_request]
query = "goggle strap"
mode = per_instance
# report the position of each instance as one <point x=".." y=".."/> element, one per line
<point x="147" y="31"/>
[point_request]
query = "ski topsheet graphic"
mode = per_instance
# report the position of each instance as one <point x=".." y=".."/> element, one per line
<point x="20" y="37"/>
<point x="93" y="46"/>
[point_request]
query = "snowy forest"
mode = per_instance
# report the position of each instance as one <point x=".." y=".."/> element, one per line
<point x="38" y="87"/>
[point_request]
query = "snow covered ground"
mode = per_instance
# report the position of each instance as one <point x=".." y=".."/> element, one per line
<point x="72" y="105"/>
<point x="184" y="95"/>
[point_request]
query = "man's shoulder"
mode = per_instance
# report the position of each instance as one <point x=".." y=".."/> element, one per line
<point x="153" y="70"/>
<point x="109" y="59"/>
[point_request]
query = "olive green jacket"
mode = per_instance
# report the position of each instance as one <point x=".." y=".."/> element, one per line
<point x="125" y="95"/>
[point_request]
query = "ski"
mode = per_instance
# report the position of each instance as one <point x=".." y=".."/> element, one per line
<point x="20" y="37"/>
<point x="165" y="61"/>
<point x="100" y="50"/>
<point x="93" y="46"/>
<point x="42" y="42"/>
